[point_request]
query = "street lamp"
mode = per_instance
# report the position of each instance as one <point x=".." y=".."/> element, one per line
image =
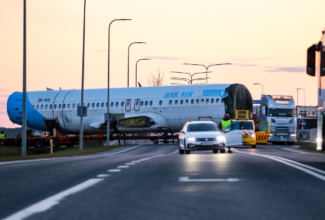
<point x="261" y="85"/>
<point x="107" y="116"/>
<point x="129" y="58"/>
<point x="136" y="70"/>
<point x="24" y="118"/>
<point x="207" y="67"/>
<point x="191" y="75"/>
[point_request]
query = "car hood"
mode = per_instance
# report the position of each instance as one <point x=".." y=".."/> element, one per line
<point x="211" y="134"/>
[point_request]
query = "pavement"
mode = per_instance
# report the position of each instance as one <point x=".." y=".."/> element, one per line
<point x="147" y="181"/>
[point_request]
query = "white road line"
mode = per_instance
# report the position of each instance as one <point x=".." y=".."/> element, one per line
<point x="301" y="152"/>
<point x="74" y="157"/>
<point x="48" y="203"/>
<point x="187" y="179"/>
<point x="123" y="167"/>
<point x="130" y="164"/>
<point x="103" y="175"/>
<point x="114" y="170"/>
<point x="207" y="160"/>
<point x="112" y="143"/>
<point x="173" y="152"/>
<point x="302" y="167"/>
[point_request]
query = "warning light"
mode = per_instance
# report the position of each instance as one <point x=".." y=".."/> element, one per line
<point x="190" y="120"/>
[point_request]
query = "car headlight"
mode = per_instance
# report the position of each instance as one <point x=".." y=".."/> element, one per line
<point x="221" y="138"/>
<point x="253" y="135"/>
<point x="191" y="139"/>
<point x="293" y="135"/>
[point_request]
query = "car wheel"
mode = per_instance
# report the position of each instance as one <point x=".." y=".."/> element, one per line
<point x="155" y="141"/>
<point x="254" y="146"/>
<point x="223" y="151"/>
<point x="215" y="151"/>
<point x="180" y="151"/>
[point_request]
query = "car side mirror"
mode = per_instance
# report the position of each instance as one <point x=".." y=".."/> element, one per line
<point x="182" y="131"/>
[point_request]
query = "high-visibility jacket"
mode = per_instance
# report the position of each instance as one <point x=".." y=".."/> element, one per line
<point x="224" y="123"/>
<point x="2" y="136"/>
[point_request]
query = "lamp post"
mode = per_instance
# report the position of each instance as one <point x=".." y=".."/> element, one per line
<point x="107" y="116"/>
<point x="191" y="75"/>
<point x="261" y="85"/>
<point x="129" y="58"/>
<point x="24" y="118"/>
<point x="207" y="67"/>
<point x="136" y="70"/>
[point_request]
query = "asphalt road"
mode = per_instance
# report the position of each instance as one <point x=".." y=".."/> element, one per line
<point x="155" y="182"/>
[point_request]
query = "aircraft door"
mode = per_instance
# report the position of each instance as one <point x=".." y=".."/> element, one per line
<point x="233" y="135"/>
<point x="128" y="105"/>
<point x="137" y="105"/>
<point x="262" y="132"/>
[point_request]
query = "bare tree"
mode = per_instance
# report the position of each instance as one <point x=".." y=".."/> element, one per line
<point x="156" y="79"/>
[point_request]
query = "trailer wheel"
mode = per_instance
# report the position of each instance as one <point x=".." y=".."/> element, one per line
<point x="39" y="143"/>
<point x="56" y="143"/>
<point x="155" y="141"/>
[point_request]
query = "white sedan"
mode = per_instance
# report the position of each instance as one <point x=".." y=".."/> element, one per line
<point x="201" y="135"/>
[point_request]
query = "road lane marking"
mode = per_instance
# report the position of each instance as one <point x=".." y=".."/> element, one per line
<point x="48" y="203"/>
<point x="187" y="179"/>
<point x="173" y="152"/>
<point x="111" y="143"/>
<point x="123" y="167"/>
<point x="207" y="160"/>
<point x="130" y="164"/>
<point x="114" y="170"/>
<point x="301" y="152"/>
<point x="302" y="167"/>
<point x="103" y="175"/>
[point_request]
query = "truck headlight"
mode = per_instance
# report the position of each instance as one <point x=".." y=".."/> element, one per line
<point x="253" y="135"/>
<point x="191" y="139"/>
<point x="293" y="135"/>
<point x="221" y="138"/>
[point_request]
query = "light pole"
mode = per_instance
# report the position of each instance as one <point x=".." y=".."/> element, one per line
<point x="81" y="108"/>
<point x="191" y="75"/>
<point x="304" y="99"/>
<point x="129" y="57"/>
<point x="136" y="70"/>
<point x="207" y="67"/>
<point x="261" y="85"/>
<point x="107" y="116"/>
<point x="24" y="118"/>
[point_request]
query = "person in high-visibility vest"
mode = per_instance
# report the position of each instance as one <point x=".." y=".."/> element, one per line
<point x="225" y="122"/>
<point x="2" y="137"/>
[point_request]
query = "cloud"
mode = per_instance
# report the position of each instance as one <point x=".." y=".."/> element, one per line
<point x="295" y="69"/>
<point x="165" y="58"/>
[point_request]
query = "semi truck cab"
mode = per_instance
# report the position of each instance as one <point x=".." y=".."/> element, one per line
<point x="278" y="110"/>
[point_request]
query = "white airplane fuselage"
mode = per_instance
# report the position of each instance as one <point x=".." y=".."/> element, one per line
<point x="167" y="107"/>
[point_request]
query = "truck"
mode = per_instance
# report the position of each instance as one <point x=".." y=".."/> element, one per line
<point x="279" y="110"/>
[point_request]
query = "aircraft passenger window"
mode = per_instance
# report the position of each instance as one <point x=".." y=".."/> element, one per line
<point x="37" y="107"/>
<point x="41" y="106"/>
<point x="69" y="105"/>
<point x="88" y="105"/>
<point x="186" y="101"/>
<point x="54" y="106"/>
<point x="192" y="101"/>
<point x="33" y="106"/>
<point x="93" y="105"/>
<point x="73" y="105"/>
<point x="212" y="101"/>
<point x="170" y="102"/>
<point x="78" y="104"/>
<point x="46" y="106"/>
<point x="141" y="103"/>
<point x="102" y="105"/>
<point x="112" y="104"/>
<point x="217" y="100"/>
<point x="106" y="104"/>
<point x="97" y="105"/>
<point x="116" y="104"/>
<point x="160" y="102"/>
<point x="63" y="106"/>
<point x="150" y="102"/>
<point x="146" y="103"/>
<point x="176" y="102"/>
<point x="207" y="101"/>
<point x="59" y="106"/>
<point x="197" y="101"/>
<point x="122" y="104"/>
<point x="202" y="101"/>
<point x="51" y="106"/>
<point x="181" y="102"/>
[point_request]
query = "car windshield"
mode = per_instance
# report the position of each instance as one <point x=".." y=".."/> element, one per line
<point x="202" y="127"/>
<point x="281" y="112"/>
<point x="243" y="125"/>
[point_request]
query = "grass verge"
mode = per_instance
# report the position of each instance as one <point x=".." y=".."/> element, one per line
<point x="14" y="153"/>
<point x="307" y="146"/>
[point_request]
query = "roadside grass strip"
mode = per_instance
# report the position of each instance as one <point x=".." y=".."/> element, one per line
<point x="48" y="203"/>
<point x="320" y="174"/>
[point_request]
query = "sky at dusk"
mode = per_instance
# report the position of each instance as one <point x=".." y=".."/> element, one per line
<point x="266" y="41"/>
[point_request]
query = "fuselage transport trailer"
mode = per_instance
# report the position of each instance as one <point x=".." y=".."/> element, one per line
<point x="278" y="110"/>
